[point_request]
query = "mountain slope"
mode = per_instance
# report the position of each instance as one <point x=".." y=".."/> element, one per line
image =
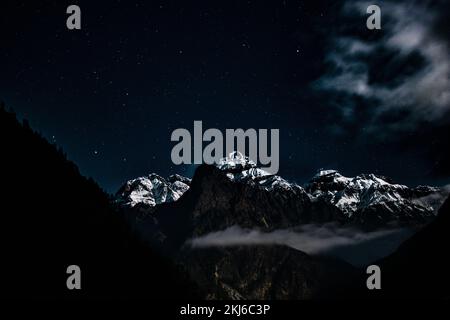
<point x="420" y="267"/>
<point x="264" y="272"/>
<point x="53" y="217"/>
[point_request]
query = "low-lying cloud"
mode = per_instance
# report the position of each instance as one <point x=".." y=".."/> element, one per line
<point x="350" y="244"/>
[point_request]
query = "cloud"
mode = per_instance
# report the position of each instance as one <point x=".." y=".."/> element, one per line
<point x="350" y="244"/>
<point x="404" y="72"/>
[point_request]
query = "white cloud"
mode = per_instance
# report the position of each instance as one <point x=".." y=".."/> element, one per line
<point x="425" y="93"/>
<point x="328" y="239"/>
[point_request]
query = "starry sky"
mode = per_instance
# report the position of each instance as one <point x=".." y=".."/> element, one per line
<point x="344" y="97"/>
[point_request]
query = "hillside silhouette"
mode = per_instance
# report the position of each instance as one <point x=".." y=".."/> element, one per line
<point x="419" y="268"/>
<point x="53" y="217"/>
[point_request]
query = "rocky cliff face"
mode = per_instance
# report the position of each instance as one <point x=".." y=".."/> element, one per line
<point x="263" y="272"/>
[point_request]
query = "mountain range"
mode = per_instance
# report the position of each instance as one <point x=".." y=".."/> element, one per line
<point x="170" y="213"/>
<point x="138" y="243"/>
<point x="237" y="192"/>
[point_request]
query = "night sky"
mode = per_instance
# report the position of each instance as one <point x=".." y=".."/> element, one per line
<point x="344" y="97"/>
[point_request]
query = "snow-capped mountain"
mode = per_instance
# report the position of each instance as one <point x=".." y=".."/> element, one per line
<point x="152" y="190"/>
<point x="368" y="191"/>
<point x="353" y="198"/>
<point x="241" y="169"/>
<point x="348" y="194"/>
<point x="236" y="192"/>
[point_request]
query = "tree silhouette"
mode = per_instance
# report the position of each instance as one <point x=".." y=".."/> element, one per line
<point x="53" y="217"/>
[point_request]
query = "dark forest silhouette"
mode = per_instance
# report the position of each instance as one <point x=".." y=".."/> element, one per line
<point x="53" y="217"/>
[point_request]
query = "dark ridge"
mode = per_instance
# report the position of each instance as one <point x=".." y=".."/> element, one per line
<point x="418" y="269"/>
<point x="53" y="217"/>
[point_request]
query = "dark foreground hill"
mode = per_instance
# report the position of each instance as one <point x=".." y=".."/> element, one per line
<point x="420" y="268"/>
<point x="53" y="217"/>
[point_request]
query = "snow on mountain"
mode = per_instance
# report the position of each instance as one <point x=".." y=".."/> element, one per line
<point x="365" y="191"/>
<point x="235" y="161"/>
<point x="349" y="194"/>
<point x="355" y="197"/>
<point x="152" y="190"/>
<point x="241" y="169"/>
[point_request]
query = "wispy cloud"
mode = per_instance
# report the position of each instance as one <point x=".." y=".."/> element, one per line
<point x="415" y="77"/>
<point x="350" y="244"/>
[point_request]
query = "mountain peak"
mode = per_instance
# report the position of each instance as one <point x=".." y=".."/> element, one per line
<point x="362" y="199"/>
<point x="152" y="190"/>
<point x="235" y="161"/>
<point x="325" y="173"/>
